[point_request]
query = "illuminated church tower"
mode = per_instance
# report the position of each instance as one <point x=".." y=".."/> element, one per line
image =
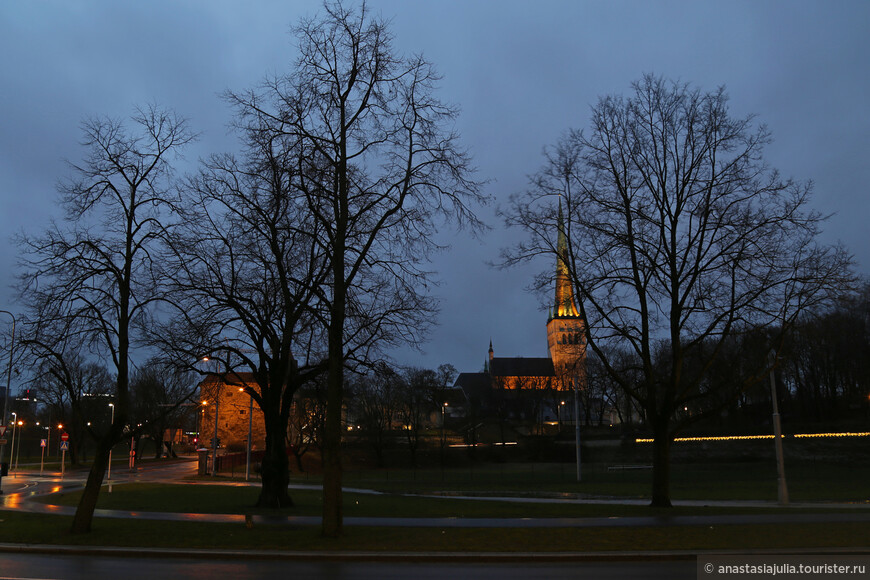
<point x="565" y="327"/>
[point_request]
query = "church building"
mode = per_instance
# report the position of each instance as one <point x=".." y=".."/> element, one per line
<point x="561" y="371"/>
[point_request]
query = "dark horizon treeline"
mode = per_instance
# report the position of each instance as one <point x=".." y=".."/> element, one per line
<point x="822" y="378"/>
<point x="825" y="372"/>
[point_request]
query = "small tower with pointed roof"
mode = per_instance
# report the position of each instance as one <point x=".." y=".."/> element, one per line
<point x="565" y="327"/>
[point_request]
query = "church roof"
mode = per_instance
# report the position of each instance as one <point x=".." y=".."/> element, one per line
<point x="521" y="367"/>
<point x="472" y="382"/>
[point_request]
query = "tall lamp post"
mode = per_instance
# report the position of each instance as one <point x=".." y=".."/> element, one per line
<point x="18" y="453"/>
<point x="443" y="408"/>
<point x="250" y="429"/>
<point x="112" y="422"/>
<point x="63" y="453"/>
<point x="217" y="411"/>
<point x="577" y="423"/>
<point x="782" y="486"/>
<point x="6" y="396"/>
<point x="12" y="449"/>
<point x="200" y="424"/>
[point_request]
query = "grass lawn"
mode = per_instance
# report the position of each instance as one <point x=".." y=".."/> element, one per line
<point x="50" y="529"/>
<point x="807" y="480"/>
<point x="238" y="500"/>
<point x="45" y="529"/>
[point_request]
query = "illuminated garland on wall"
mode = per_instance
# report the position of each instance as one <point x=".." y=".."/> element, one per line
<point x="751" y="437"/>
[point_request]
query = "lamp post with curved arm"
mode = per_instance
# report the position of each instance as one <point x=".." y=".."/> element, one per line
<point x="6" y="396"/>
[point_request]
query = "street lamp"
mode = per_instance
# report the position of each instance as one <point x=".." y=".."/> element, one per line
<point x="12" y="450"/>
<point x="782" y="486"/>
<point x="18" y="453"/>
<point x="62" y="451"/>
<point x="200" y="424"/>
<point x="112" y="422"/>
<point x="250" y="429"/>
<point x="6" y="395"/>
<point x="576" y="381"/>
<point x="217" y="410"/>
<point x="443" y="408"/>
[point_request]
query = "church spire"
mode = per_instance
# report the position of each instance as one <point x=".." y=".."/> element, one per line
<point x="565" y="305"/>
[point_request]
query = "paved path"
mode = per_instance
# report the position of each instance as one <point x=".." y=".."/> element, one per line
<point x="20" y="492"/>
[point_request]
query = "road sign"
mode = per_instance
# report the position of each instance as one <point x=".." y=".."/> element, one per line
<point x="43" y="443"/>
<point x="2" y="430"/>
<point x="64" y="436"/>
<point x="64" y="445"/>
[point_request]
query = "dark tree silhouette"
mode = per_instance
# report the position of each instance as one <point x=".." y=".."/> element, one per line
<point x="380" y="168"/>
<point x="93" y="280"/>
<point x="679" y="236"/>
<point x="246" y="271"/>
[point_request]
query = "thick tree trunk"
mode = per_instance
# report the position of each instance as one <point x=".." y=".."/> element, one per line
<point x="85" y="511"/>
<point x="333" y="517"/>
<point x="661" y="485"/>
<point x="276" y="467"/>
<point x="332" y="474"/>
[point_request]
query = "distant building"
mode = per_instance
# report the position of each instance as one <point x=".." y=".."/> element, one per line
<point x="233" y="405"/>
<point x="497" y="389"/>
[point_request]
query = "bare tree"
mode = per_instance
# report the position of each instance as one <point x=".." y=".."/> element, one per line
<point x="94" y="280"/>
<point x="380" y="168"/>
<point x="246" y="270"/>
<point x="418" y="389"/>
<point x="828" y="363"/>
<point x="161" y="397"/>
<point x="66" y="380"/>
<point x="373" y="401"/>
<point x="679" y="236"/>
<point x="307" y="420"/>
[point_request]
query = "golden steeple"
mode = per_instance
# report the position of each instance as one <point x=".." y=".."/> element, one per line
<point x="565" y="306"/>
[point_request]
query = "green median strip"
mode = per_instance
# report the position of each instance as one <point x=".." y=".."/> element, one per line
<point x="219" y="499"/>
<point x="44" y="529"/>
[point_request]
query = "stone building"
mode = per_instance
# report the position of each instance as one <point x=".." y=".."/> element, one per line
<point x="234" y="409"/>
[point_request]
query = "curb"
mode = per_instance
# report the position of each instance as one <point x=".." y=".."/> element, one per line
<point x="478" y="557"/>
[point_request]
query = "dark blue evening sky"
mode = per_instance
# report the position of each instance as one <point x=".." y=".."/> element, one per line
<point x="521" y="72"/>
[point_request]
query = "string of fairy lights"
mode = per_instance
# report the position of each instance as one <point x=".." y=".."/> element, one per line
<point x="752" y="437"/>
